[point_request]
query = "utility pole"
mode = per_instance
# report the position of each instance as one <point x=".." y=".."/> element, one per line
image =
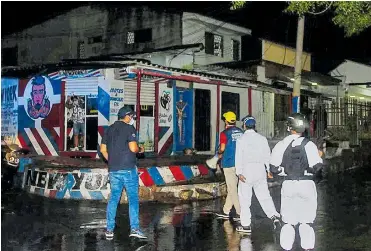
<point x="298" y="66"/>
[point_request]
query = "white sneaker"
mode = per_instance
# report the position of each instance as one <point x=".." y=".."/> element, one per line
<point x="74" y="149"/>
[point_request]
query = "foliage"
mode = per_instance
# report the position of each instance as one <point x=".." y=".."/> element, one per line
<point x="340" y="134"/>
<point x="353" y="16"/>
<point x="237" y="5"/>
<point x="188" y="67"/>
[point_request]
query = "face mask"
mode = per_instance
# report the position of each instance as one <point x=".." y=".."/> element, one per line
<point x="131" y="121"/>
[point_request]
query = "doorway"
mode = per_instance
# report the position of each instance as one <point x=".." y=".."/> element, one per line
<point x="88" y="112"/>
<point x="202" y="104"/>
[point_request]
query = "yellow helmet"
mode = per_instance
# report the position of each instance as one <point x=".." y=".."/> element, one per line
<point x="230" y="117"/>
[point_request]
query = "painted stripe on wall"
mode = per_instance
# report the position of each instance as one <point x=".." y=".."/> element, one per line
<point x="187" y="172"/>
<point x="203" y="169"/>
<point x="166" y="174"/>
<point x="177" y="172"/>
<point x="40" y="141"/>
<point x="156" y="176"/>
<point x="96" y="195"/>
<point x="34" y="142"/>
<point x="146" y="178"/>
<point x="163" y="140"/>
<point x="47" y="142"/>
<point x="195" y="170"/>
<point x="76" y="195"/>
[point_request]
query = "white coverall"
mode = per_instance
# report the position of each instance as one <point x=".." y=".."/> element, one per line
<point x="298" y="197"/>
<point x="251" y="160"/>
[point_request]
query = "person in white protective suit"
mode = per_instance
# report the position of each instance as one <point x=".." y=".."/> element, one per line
<point x="252" y="164"/>
<point x="297" y="157"/>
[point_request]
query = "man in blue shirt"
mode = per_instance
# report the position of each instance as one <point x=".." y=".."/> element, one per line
<point x="119" y="146"/>
<point x="227" y="150"/>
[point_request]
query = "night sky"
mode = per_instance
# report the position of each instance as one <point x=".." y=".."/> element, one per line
<point x="265" y="19"/>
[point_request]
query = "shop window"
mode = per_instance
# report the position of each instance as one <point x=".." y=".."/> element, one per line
<point x="92" y="105"/>
<point x="231" y="102"/>
<point x="147" y="129"/>
<point x="146" y="110"/>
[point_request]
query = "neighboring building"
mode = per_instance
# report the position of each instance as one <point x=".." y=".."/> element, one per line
<point x="273" y="64"/>
<point x="355" y="77"/>
<point x="352" y="112"/>
<point x="93" y="31"/>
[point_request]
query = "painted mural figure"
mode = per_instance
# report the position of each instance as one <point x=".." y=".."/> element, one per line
<point x="180" y="106"/>
<point x="38" y="106"/>
<point x="165" y="100"/>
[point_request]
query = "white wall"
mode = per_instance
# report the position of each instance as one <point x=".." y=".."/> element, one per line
<point x="263" y="111"/>
<point x="354" y="72"/>
<point x="194" y="32"/>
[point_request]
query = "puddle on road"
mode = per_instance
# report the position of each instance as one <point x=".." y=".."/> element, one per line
<point x="42" y="224"/>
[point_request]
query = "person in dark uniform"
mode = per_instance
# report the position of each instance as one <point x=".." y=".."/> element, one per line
<point x="119" y="146"/>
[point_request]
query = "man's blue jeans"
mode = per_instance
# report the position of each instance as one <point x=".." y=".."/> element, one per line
<point x="119" y="180"/>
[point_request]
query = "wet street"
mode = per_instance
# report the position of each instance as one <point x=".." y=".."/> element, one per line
<point x="35" y="223"/>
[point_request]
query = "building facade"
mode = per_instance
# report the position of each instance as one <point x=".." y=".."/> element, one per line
<point x="93" y="31"/>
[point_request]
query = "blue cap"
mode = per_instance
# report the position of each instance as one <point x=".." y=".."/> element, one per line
<point x="249" y="121"/>
<point x="125" y="111"/>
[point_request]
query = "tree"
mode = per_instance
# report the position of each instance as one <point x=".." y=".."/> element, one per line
<point x="353" y="16"/>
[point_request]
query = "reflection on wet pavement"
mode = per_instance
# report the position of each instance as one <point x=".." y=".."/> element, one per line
<point x="36" y="223"/>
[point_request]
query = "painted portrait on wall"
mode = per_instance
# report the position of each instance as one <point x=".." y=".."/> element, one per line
<point x="39" y="90"/>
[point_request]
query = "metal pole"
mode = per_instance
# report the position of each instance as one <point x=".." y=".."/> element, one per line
<point x="157" y="128"/>
<point x="218" y="108"/>
<point x="139" y="82"/>
<point x="297" y="74"/>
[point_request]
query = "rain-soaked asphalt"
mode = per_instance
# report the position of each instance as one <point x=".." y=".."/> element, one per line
<point x="36" y="224"/>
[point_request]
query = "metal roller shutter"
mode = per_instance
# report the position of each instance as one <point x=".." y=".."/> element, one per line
<point x="81" y="86"/>
<point x="147" y="93"/>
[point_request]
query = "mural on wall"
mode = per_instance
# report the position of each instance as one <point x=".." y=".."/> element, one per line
<point x="147" y="133"/>
<point x="165" y="118"/>
<point x="93" y="184"/>
<point x="183" y="125"/>
<point x="180" y="106"/>
<point x="38" y="105"/>
<point x="9" y="110"/>
<point x="39" y="114"/>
